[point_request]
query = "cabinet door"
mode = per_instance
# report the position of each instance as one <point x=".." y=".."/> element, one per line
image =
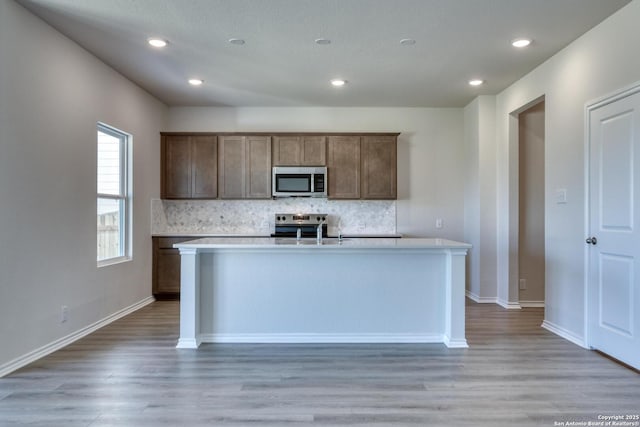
<point x="166" y="267"/>
<point x="313" y="151"/>
<point x="379" y="167"/>
<point x="231" y="167"/>
<point x="258" y="167"/>
<point x="344" y="167"/>
<point x="204" y="167"/>
<point x="176" y="167"/>
<point x="168" y="271"/>
<point x="286" y="150"/>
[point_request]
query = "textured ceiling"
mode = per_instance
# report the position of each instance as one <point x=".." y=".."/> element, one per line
<point x="281" y="65"/>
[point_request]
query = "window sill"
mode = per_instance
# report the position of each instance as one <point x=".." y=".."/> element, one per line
<point x="112" y="261"/>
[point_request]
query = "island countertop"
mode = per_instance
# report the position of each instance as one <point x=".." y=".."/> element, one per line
<point x="278" y="243"/>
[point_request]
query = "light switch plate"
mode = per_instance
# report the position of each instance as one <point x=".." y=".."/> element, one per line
<point x="561" y="195"/>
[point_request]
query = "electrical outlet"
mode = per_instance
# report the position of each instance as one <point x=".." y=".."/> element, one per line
<point x="64" y="314"/>
<point x="523" y="284"/>
<point x="439" y="223"/>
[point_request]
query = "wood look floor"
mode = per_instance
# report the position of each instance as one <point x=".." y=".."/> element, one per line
<point x="129" y="374"/>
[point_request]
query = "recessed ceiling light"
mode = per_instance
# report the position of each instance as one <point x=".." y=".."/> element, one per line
<point x="476" y="82"/>
<point x="323" y="41"/>
<point x="156" y="42"/>
<point x="521" y="42"/>
<point x="236" y="41"/>
<point x="407" y="42"/>
<point x="195" y="82"/>
<point x="338" y="82"/>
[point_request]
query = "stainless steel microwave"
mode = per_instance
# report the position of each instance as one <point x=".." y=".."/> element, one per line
<point x="299" y="181"/>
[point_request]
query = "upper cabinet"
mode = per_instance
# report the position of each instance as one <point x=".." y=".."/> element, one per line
<point x="238" y="166"/>
<point x="343" y="166"/>
<point x="378" y="156"/>
<point x="299" y="151"/>
<point x="244" y="167"/>
<point x="189" y="167"/>
<point x="258" y="167"/>
<point x="362" y="167"/>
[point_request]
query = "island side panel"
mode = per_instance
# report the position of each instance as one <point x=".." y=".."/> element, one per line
<point x="309" y="295"/>
<point x="189" y="298"/>
<point x="454" y="335"/>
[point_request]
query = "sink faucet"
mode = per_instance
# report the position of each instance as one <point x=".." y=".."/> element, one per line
<point x="299" y="233"/>
<point x="319" y="233"/>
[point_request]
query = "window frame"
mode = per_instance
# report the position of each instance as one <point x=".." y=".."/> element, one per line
<point x="124" y="197"/>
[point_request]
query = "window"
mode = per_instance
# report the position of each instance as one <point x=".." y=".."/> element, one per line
<point x="114" y="196"/>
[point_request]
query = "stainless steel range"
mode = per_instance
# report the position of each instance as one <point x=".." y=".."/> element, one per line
<point x="287" y="224"/>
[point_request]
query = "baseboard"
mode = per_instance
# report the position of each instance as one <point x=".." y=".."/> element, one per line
<point x="567" y="335"/>
<point x="481" y="300"/>
<point x="322" y="338"/>
<point x="188" y="343"/>
<point x="457" y="343"/>
<point x="536" y="304"/>
<point x="43" y="351"/>
<point x="509" y="305"/>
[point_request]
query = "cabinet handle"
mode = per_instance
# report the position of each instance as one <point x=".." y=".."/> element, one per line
<point x="592" y="241"/>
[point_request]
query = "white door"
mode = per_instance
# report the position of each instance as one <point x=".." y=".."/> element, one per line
<point x="613" y="291"/>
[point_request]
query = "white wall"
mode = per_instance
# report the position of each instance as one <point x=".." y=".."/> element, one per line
<point x="472" y="196"/>
<point x="430" y="150"/>
<point x="479" y="207"/>
<point x="52" y="94"/>
<point x="598" y="63"/>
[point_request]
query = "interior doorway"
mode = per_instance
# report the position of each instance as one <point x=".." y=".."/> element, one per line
<point x="531" y="206"/>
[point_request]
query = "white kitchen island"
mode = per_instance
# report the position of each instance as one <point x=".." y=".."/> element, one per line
<point x="370" y="290"/>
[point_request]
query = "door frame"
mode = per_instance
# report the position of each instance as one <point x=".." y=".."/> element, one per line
<point x="518" y="215"/>
<point x="589" y="107"/>
<point x="510" y="288"/>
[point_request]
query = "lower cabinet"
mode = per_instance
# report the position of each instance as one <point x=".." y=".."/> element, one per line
<point x="166" y="267"/>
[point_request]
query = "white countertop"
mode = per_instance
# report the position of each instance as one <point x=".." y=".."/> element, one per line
<point x="327" y="243"/>
<point x="202" y="235"/>
<point x="235" y="235"/>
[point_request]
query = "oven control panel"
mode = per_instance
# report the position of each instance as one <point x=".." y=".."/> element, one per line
<point x="301" y="219"/>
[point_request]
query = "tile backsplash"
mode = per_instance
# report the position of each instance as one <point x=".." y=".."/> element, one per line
<point x="256" y="217"/>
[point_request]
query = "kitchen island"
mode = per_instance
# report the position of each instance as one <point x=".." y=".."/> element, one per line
<point x="268" y="290"/>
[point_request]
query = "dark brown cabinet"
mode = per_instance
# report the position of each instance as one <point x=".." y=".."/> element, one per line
<point x="231" y="169"/>
<point x="378" y="167"/>
<point x="299" y="151"/>
<point x="238" y="166"/>
<point x="189" y="167"/>
<point x="244" y="167"/>
<point x="166" y="267"/>
<point x="362" y="167"/>
<point x="343" y="164"/>
<point x="258" y="167"/>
